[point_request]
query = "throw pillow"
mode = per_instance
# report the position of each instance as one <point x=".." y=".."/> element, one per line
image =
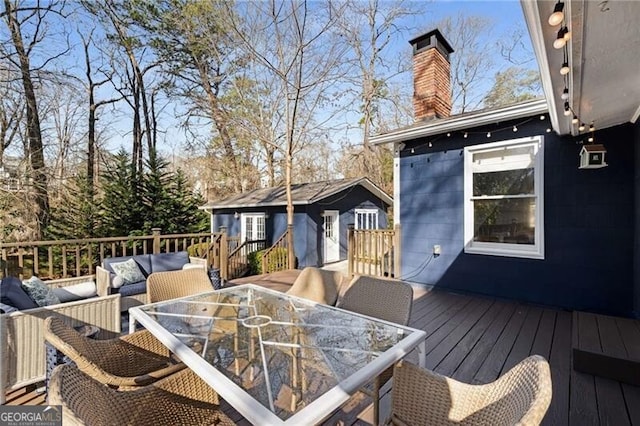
<point x="13" y="294"/>
<point x="129" y="271"/>
<point x="39" y="292"/>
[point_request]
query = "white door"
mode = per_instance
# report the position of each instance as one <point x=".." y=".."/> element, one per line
<point x="331" y="236"/>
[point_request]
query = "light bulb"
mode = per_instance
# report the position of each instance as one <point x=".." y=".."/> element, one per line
<point x="548" y="130"/>
<point x="581" y="127"/>
<point x="558" y="15"/>
<point x="574" y="120"/>
<point x="567" y="34"/>
<point x="567" y="109"/>
<point x="565" y="94"/>
<point x="465" y="135"/>
<point x="592" y="128"/>
<point x="565" y="69"/>
<point x="542" y="117"/>
<point x="560" y="41"/>
<point x="430" y="145"/>
<point x="488" y="134"/>
<point x="590" y="139"/>
<point x="413" y="151"/>
<point x="515" y="129"/>
<point x="448" y="135"/>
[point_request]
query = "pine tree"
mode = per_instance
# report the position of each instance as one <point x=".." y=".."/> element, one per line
<point x="121" y="207"/>
<point x="75" y="215"/>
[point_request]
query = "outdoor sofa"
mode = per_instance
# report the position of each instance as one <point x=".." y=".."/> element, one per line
<point x="127" y="275"/>
<point x="23" y="360"/>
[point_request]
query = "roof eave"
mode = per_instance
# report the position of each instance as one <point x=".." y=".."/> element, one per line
<point x="465" y="121"/>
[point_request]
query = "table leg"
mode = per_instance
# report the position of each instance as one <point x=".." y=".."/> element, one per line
<point x="132" y="324"/>
<point x="422" y="354"/>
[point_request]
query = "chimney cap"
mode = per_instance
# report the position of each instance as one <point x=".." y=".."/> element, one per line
<point x="433" y="38"/>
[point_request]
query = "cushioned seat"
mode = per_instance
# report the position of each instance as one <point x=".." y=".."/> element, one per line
<point x="131" y="289"/>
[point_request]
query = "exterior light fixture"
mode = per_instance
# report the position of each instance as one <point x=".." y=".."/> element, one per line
<point x="558" y="15"/>
<point x="565" y="94"/>
<point x="236" y="215"/>
<point x="567" y="109"/>
<point x="565" y="69"/>
<point x="560" y="41"/>
<point x="581" y="127"/>
<point x="574" y="120"/>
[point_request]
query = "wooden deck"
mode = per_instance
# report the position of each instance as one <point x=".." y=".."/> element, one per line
<point x="477" y="339"/>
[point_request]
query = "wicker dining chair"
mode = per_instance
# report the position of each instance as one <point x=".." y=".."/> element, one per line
<point x="173" y="284"/>
<point x="319" y="285"/>
<point x="124" y="362"/>
<point x="520" y="397"/>
<point x="383" y="298"/>
<point x="180" y="399"/>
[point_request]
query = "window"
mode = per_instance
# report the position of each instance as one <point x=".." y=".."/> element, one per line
<point x="366" y="219"/>
<point x="503" y="191"/>
<point x="253" y="226"/>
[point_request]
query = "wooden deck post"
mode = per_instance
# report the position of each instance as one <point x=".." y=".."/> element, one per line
<point x="350" y="250"/>
<point x="397" y="239"/>
<point x="156" y="240"/>
<point x="224" y="253"/>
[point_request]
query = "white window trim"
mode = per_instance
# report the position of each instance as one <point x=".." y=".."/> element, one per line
<point x="243" y="224"/>
<point x="535" y="251"/>
<point x="366" y="212"/>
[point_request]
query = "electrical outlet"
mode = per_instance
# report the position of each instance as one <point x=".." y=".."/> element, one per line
<point x="436" y="250"/>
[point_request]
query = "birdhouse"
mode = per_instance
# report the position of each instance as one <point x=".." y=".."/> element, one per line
<point x="592" y="156"/>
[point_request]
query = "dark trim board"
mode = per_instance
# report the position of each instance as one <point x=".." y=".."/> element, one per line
<point x="607" y="347"/>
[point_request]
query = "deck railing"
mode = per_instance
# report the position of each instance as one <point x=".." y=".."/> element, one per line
<point x="79" y="257"/>
<point x="276" y="257"/>
<point x="374" y="252"/>
<point x="238" y="259"/>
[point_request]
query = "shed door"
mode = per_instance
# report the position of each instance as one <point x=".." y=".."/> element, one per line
<point x="331" y="236"/>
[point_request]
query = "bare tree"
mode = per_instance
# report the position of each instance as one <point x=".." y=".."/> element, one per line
<point x="470" y="64"/>
<point x="294" y="44"/>
<point x="12" y="111"/>
<point x="22" y="45"/>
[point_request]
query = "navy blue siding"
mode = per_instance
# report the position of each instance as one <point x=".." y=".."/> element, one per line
<point x="308" y="222"/>
<point x="589" y="223"/>
<point x="636" y="263"/>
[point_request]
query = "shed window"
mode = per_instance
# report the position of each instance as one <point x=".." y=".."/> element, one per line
<point x="366" y="219"/>
<point x="503" y="188"/>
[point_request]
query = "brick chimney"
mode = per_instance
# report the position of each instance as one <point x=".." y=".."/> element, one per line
<point x="431" y="76"/>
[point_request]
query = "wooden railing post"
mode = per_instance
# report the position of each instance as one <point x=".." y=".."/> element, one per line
<point x="224" y="254"/>
<point x="397" y="239"/>
<point x="350" y="250"/>
<point x="156" y="240"/>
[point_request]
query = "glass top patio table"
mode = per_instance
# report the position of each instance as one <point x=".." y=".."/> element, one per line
<point x="277" y="359"/>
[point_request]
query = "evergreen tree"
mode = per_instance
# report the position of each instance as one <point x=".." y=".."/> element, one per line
<point x="185" y="203"/>
<point x="74" y="215"/>
<point x="121" y="207"/>
<point x="155" y="194"/>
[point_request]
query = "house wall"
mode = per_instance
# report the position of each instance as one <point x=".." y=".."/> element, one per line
<point x="308" y="222"/>
<point x="588" y="214"/>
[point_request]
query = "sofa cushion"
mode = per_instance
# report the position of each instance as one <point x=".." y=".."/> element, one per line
<point x="11" y="293"/>
<point x="169" y="261"/>
<point x="133" y="289"/>
<point x="129" y="271"/>
<point x="5" y="309"/>
<point x="143" y="261"/>
<point x="39" y="292"/>
<point x="76" y="292"/>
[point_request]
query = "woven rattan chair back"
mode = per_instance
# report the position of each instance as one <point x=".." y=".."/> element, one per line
<point x="382" y="298"/>
<point x="180" y="399"/>
<point x="173" y="284"/>
<point x="317" y="284"/>
<point x="520" y="397"/>
<point x="133" y="360"/>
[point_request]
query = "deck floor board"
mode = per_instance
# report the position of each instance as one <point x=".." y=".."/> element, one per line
<point x="476" y="339"/>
